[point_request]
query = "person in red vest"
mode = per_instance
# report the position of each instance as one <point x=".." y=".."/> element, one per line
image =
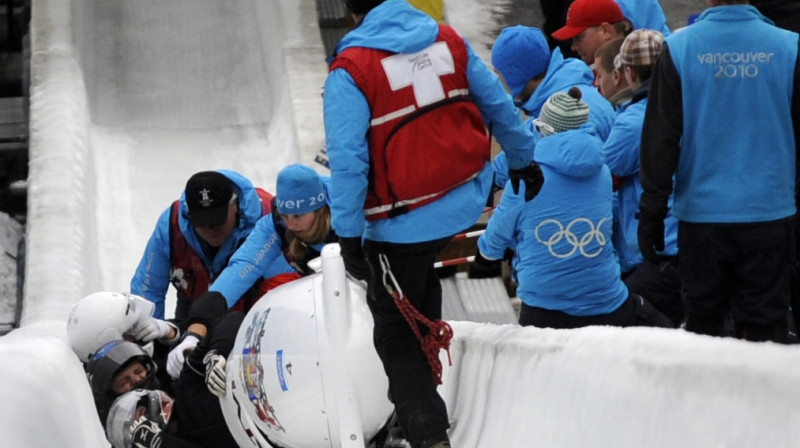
<point x="407" y="105"/>
<point x="195" y="237"/>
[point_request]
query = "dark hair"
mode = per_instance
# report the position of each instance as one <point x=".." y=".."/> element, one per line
<point x="623" y="27"/>
<point x="643" y="72"/>
<point x="361" y="6"/>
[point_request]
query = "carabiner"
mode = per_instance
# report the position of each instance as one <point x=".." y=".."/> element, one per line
<point x="389" y="282"/>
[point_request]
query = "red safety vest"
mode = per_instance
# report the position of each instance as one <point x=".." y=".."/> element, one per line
<point x="415" y="162"/>
<point x="187" y="272"/>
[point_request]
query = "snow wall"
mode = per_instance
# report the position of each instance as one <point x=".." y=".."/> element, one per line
<point x="508" y="386"/>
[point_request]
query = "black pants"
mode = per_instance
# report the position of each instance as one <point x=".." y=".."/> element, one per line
<point x="634" y="312"/>
<point x="743" y="270"/>
<point x="420" y="409"/>
<point x="197" y="411"/>
<point x="660" y="285"/>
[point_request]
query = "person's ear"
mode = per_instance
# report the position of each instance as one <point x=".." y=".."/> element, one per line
<point x="618" y="77"/>
<point x="630" y="74"/>
<point x="608" y="30"/>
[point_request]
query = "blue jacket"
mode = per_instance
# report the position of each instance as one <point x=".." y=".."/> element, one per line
<point x="621" y="152"/>
<point x="396" y="26"/>
<point x="261" y="256"/>
<point x="564" y="259"/>
<point x="721" y="119"/>
<point x="151" y="279"/>
<point x="563" y="74"/>
<point x="645" y="14"/>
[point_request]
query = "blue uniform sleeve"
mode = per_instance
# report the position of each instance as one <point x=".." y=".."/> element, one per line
<point x="500" y="166"/>
<point x="151" y="279"/>
<point x="499" y="112"/>
<point x="260" y="256"/>
<point x="502" y="227"/>
<point x="621" y="150"/>
<point x="347" y="116"/>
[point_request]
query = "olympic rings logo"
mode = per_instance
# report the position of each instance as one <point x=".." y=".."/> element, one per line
<point x="566" y="233"/>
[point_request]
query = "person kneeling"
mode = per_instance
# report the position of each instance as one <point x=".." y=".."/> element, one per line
<point x="568" y="274"/>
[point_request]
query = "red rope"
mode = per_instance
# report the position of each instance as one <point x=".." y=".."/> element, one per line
<point x="439" y="335"/>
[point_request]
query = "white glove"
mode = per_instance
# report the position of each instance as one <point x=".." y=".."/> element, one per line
<point x="178" y="354"/>
<point x="151" y="329"/>
<point x="215" y="373"/>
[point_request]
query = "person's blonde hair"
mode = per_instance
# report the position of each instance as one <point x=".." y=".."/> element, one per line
<point x="319" y="233"/>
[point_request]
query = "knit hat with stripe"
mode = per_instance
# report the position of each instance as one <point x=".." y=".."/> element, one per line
<point x="562" y="112"/>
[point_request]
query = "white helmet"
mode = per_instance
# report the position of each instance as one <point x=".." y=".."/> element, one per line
<point x="155" y="405"/>
<point x="103" y="317"/>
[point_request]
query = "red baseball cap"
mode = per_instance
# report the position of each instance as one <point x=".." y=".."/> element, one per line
<point x="583" y="14"/>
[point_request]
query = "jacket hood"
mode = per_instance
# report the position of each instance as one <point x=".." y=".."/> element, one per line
<point x="393" y="26"/>
<point x="575" y="153"/>
<point x="561" y="75"/>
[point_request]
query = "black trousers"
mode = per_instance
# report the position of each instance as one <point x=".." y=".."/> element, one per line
<point x="634" y="312"/>
<point x="743" y="270"/>
<point x="660" y="285"/>
<point x="197" y="411"/>
<point x="420" y="409"/>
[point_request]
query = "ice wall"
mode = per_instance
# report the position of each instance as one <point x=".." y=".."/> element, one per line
<point x="614" y="387"/>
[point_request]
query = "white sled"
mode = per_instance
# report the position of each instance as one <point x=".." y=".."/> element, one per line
<point x="303" y="372"/>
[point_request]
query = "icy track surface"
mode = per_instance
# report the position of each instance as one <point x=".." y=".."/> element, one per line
<point x="130" y="98"/>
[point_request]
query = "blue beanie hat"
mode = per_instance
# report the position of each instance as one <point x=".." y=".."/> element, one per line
<point x="519" y="54"/>
<point x="300" y="190"/>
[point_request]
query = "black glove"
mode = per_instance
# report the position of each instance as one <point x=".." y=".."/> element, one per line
<point x="531" y="175"/>
<point x="354" y="261"/>
<point x="651" y="235"/>
<point x="145" y="434"/>
<point x="482" y="267"/>
<point x="482" y="261"/>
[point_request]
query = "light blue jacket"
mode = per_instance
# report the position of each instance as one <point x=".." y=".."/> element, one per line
<point x="621" y="152"/>
<point x="398" y="27"/>
<point x="564" y="258"/>
<point x="646" y="14"/>
<point x="151" y="279"/>
<point x="736" y="167"/>
<point x="563" y="74"/>
<point x="260" y="257"/>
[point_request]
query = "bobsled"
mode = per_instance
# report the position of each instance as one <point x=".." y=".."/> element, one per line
<point x="303" y="372"/>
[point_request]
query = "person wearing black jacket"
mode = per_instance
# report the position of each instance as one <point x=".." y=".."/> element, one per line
<point x="785" y="13"/>
<point x="722" y="128"/>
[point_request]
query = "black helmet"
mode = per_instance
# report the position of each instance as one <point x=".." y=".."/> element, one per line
<point x="110" y="360"/>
